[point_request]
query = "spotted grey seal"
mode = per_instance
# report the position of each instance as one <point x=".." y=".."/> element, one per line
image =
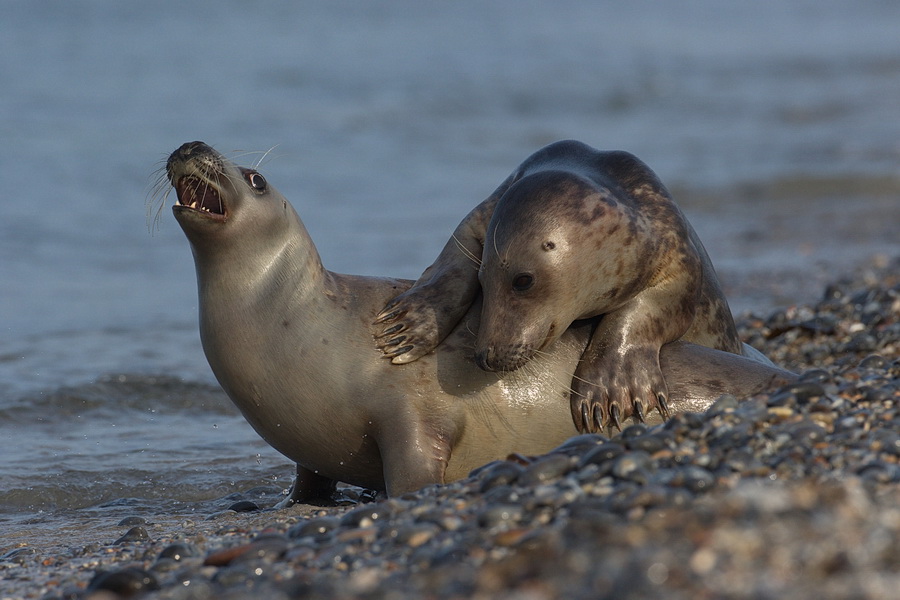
<point x="290" y="343"/>
<point x="573" y="233"/>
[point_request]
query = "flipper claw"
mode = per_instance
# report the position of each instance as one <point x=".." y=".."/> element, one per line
<point x="394" y="342"/>
<point x="598" y="419"/>
<point x="639" y="411"/>
<point x="614" y="417"/>
<point x="396" y="352"/>
<point x="385" y="317"/>
<point x="393" y="329"/>
<point x="663" y="406"/>
<point x="585" y="424"/>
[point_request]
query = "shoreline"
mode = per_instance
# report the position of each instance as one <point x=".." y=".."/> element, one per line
<point x="789" y="494"/>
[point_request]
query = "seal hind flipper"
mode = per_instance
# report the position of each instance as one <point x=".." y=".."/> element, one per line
<point x="309" y="488"/>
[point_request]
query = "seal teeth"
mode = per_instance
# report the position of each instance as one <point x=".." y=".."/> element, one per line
<point x="199" y="195"/>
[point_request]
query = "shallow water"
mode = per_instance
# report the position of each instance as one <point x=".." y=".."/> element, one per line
<point x="774" y="123"/>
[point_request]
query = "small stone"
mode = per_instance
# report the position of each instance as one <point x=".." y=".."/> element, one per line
<point x="135" y="534"/>
<point x="179" y="551"/>
<point x="366" y="516"/>
<point x="319" y="528"/>
<point x="18" y="555"/>
<point x="580" y="444"/>
<point x="503" y="515"/>
<point x="244" y="506"/>
<point x="724" y="403"/>
<point x="500" y="473"/>
<point x="632" y="465"/>
<point x="415" y="535"/>
<point x="127" y="583"/>
<point x="602" y="454"/>
<point x="873" y="361"/>
<point x="549" y="467"/>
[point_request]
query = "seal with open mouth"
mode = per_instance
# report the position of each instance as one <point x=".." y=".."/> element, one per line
<point x="290" y="342"/>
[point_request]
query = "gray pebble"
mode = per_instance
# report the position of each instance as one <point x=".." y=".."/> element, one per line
<point x="135" y="534"/>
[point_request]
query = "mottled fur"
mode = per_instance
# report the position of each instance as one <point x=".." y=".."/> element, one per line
<point x="595" y="234"/>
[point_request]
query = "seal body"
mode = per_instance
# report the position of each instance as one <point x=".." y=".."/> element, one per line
<point x="573" y="233"/>
<point x="290" y="343"/>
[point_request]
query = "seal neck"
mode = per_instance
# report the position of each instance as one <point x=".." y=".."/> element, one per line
<point x="244" y="260"/>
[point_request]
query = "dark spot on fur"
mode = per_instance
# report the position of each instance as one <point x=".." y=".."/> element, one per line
<point x="547" y="246"/>
<point x="285" y="323"/>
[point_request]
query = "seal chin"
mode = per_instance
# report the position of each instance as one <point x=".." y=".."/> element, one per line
<point x="195" y="194"/>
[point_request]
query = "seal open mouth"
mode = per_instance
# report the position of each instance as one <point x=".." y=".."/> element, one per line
<point x="196" y="194"/>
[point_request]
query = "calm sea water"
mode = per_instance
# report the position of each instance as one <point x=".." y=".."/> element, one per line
<point x="775" y="123"/>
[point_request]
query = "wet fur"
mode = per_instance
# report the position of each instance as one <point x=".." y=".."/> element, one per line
<point x="603" y="237"/>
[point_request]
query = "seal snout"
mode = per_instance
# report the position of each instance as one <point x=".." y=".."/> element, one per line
<point x="190" y="168"/>
<point x="499" y="359"/>
<point x="183" y="154"/>
<point x="188" y="149"/>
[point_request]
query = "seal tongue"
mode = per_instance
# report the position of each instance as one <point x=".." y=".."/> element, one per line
<point x="196" y="193"/>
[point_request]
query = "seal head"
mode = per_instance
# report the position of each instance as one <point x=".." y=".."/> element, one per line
<point x="533" y="275"/>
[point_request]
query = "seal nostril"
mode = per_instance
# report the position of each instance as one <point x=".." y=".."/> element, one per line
<point x="481" y="359"/>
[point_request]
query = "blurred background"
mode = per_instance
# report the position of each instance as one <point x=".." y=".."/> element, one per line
<point x="775" y="124"/>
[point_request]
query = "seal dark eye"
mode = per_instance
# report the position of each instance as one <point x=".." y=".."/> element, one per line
<point x="522" y="282"/>
<point x="256" y="181"/>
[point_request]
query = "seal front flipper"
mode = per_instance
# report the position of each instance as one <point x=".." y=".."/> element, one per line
<point x="610" y="388"/>
<point x="415" y="447"/>
<point x="416" y="321"/>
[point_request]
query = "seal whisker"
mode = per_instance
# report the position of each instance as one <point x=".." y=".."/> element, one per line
<point x="563" y="384"/>
<point x="494" y="240"/>
<point x="583" y="380"/>
<point x="470" y="330"/>
<point x="263" y="157"/>
<point x="466" y="252"/>
<point x="219" y="176"/>
<point x="157" y="193"/>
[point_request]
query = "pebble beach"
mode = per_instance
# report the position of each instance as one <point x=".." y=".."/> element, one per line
<point x="127" y="472"/>
<point x="794" y="494"/>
